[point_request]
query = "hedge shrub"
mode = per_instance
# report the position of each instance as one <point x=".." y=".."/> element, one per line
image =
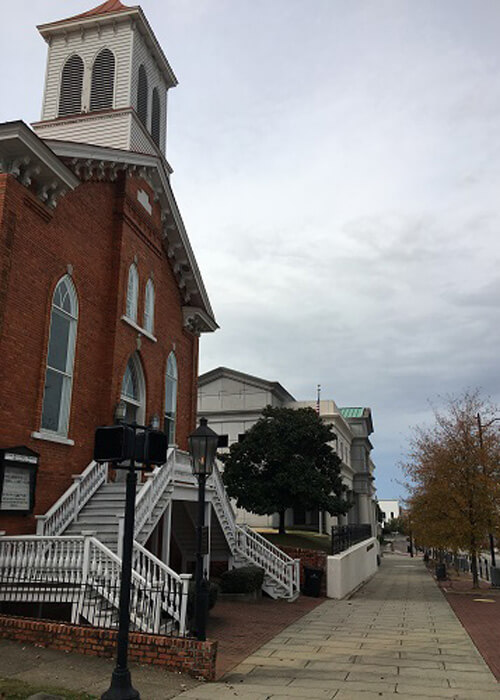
<point x="246" y="579"/>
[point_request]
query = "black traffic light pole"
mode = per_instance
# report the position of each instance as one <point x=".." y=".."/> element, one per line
<point x="117" y="444"/>
<point x="121" y="683"/>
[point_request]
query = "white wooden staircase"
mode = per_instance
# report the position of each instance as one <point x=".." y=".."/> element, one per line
<point x="74" y="557"/>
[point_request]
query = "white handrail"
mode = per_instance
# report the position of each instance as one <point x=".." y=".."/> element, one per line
<point x="65" y="510"/>
<point x="278" y="565"/>
<point x="243" y="541"/>
<point x="153" y="490"/>
<point x="171" y="587"/>
<point x="223" y="502"/>
<point x="65" y="569"/>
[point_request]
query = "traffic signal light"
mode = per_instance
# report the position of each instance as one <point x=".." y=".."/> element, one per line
<point x="116" y="443"/>
<point x="113" y="443"/>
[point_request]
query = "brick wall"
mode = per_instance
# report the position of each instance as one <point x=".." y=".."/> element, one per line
<point x="309" y="557"/>
<point x="96" y="231"/>
<point x="177" y="654"/>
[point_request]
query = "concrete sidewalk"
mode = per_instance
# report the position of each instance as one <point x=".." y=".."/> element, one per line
<point x="397" y="636"/>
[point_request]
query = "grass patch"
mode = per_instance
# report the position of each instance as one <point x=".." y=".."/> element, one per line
<point x="13" y="689"/>
<point x="301" y="539"/>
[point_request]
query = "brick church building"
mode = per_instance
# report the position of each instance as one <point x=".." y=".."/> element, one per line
<point x="101" y="298"/>
<point x="101" y="308"/>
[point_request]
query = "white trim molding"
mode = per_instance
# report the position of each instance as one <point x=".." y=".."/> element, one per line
<point x="140" y="330"/>
<point x="52" y="437"/>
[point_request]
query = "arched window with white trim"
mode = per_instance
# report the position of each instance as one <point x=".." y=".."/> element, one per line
<point x="132" y="293"/>
<point x="103" y="81"/>
<point x="70" y="95"/>
<point x="171" y="398"/>
<point x="156" y="117"/>
<point x="142" y="95"/>
<point x="60" y="358"/>
<point x="149" y="307"/>
<point x="133" y="390"/>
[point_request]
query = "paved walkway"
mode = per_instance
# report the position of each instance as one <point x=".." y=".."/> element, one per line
<point x="242" y="628"/>
<point x="397" y="636"/>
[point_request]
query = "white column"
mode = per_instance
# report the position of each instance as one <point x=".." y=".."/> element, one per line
<point x="364" y="509"/>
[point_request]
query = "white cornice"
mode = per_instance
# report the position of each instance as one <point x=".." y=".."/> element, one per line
<point x="25" y="156"/>
<point x="92" y="159"/>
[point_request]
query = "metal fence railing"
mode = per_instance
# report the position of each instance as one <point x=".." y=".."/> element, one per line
<point x="462" y="562"/>
<point x="345" y="536"/>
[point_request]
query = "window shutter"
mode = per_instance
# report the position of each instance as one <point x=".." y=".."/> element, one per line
<point x="155" y="117"/>
<point x="70" y="98"/>
<point x="103" y="81"/>
<point x="142" y="96"/>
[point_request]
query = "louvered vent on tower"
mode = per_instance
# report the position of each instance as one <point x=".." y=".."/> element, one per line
<point x="155" y="117"/>
<point x="142" y="96"/>
<point x="70" y="98"/>
<point x="103" y="81"/>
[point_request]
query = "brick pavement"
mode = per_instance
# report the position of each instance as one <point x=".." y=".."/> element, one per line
<point x="396" y="637"/>
<point x="479" y="613"/>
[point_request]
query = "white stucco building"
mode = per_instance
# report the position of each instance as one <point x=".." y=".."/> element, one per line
<point x="390" y="509"/>
<point x="233" y="401"/>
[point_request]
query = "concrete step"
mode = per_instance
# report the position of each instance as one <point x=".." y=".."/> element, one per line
<point x="101" y="529"/>
<point x="98" y="516"/>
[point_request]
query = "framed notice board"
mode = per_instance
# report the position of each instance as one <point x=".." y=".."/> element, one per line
<point x="18" y="470"/>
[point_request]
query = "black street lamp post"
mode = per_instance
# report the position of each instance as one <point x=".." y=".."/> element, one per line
<point x="481" y="427"/>
<point x="121" y="683"/>
<point x="202" y="447"/>
<point x="117" y="444"/>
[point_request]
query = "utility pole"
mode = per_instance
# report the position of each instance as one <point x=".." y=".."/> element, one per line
<point x="480" y="428"/>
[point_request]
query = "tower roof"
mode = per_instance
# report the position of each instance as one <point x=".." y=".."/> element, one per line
<point x="110" y="6"/>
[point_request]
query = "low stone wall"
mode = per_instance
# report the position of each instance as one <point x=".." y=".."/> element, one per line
<point x="309" y="557"/>
<point x="178" y="654"/>
<point x="348" y="570"/>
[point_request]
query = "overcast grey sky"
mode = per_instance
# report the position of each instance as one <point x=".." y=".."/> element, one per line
<point x="337" y="166"/>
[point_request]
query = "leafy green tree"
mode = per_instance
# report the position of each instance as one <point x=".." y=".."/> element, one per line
<point x="285" y="461"/>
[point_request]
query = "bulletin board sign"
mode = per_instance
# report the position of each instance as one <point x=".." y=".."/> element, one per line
<point x="18" y="470"/>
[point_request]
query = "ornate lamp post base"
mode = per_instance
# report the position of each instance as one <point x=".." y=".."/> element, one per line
<point x="121" y="687"/>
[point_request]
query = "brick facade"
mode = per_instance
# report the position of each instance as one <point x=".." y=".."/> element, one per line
<point x="95" y="233"/>
<point x="177" y="654"/>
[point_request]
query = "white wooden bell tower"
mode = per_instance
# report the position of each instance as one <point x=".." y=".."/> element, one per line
<point x="107" y="81"/>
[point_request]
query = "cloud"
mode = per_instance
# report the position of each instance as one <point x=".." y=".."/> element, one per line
<point x="337" y="166"/>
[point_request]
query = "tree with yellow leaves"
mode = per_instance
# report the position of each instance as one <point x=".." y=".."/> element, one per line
<point x="453" y="469"/>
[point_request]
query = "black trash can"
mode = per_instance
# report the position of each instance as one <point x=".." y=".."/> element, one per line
<point x="312" y="581"/>
<point x="441" y="572"/>
<point x="495" y="576"/>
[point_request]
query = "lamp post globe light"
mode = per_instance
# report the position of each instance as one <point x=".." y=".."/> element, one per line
<point x="202" y="448"/>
